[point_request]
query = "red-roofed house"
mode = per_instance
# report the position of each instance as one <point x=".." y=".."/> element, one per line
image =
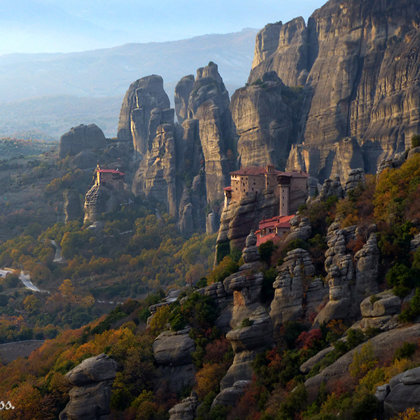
<point x="112" y="177"/>
<point x="273" y="229"/>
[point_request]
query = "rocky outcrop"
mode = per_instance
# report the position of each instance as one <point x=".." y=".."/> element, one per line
<point x="359" y="66"/>
<point x="265" y="122"/>
<point x="209" y="104"/>
<point x="101" y="199"/>
<point x="185" y="410"/>
<point x="287" y="49"/>
<point x="183" y="166"/>
<point x="402" y="392"/>
<point x="81" y="138"/>
<point x="355" y="179"/>
<point x="383" y="345"/>
<point x="252" y="326"/>
<point x="331" y="188"/>
<point x="91" y="393"/>
<point x="142" y="110"/>
<point x="182" y="96"/>
<point x="156" y="175"/>
<point x="340" y="274"/>
<point x="367" y="268"/>
<point x="173" y="354"/>
<point x="246" y="342"/>
<point x="297" y="293"/>
<point x="300" y="228"/>
<point x="238" y="218"/>
<point x="380" y="311"/>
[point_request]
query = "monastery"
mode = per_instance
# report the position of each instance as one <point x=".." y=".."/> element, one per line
<point x="290" y="188"/>
<point x="109" y="177"/>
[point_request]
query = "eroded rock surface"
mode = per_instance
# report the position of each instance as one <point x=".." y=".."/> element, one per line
<point x="81" y="138"/>
<point x="91" y="393"/>
<point x="291" y="285"/>
<point x="402" y="392"/>
<point x="173" y="354"/>
<point x="359" y="65"/>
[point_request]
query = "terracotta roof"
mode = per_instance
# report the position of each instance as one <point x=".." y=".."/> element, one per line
<point x="227" y="189"/>
<point x="278" y="221"/>
<point x="270" y="237"/>
<point x="110" y="171"/>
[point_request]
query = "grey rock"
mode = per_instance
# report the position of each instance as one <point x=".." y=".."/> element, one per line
<point x="230" y="396"/>
<point x="383" y="345"/>
<point x="81" y="138"/>
<point x="403" y="392"/>
<point x="356" y="177"/>
<point x="95" y="369"/>
<point x="291" y="285"/>
<point x="385" y="303"/>
<point x="185" y="410"/>
<point x="311" y="362"/>
<point x="182" y="95"/>
<point x="90" y="397"/>
<point x="173" y="348"/>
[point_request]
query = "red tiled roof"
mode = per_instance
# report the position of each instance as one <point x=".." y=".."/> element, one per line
<point x="110" y="171"/>
<point x="270" y="237"/>
<point x="227" y="189"/>
<point x="278" y="221"/>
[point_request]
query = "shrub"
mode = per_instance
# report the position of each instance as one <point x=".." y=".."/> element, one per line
<point x="266" y="250"/>
<point x="415" y="141"/>
<point x="224" y="269"/>
<point x="405" y="351"/>
<point x="246" y="323"/>
<point x="267" y="290"/>
<point x="363" y="361"/>
<point x="366" y="409"/>
<point x="401" y="278"/>
<point x="413" y="310"/>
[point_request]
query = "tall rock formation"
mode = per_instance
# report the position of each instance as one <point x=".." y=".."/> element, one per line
<point x="265" y="121"/>
<point x="142" y="110"/>
<point x="186" y="165"/>
<point x="359" y="64"/>
<point x="90" y="396"/>
<point x="209" y="104"/>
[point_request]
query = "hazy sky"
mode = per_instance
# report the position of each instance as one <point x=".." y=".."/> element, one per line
<point x="76" y="25"/>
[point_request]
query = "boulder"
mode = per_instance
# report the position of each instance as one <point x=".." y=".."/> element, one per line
<point x="384" y="345"/>
<point x="185" y="410"/>
<point x="173" y="348"/>
<point x="81" y="138"/>
<point x="401" y="393"/>
<point x="90" y="397"/>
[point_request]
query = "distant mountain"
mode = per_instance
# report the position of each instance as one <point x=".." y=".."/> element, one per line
<point x="46" y="93"/>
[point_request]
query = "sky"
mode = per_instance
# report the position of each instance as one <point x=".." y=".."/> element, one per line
<point x="34" y="26"/>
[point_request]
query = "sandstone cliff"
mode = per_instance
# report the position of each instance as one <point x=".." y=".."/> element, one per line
<point x="264" y="115"/>
<point x="80" y="139"/>
<point x="184" y="166"/>
<point x="359" y="65"/>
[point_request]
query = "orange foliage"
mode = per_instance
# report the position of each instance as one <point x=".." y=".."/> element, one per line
<point x="208" y="378"/>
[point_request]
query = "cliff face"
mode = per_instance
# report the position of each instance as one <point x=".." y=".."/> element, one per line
<point x="184" y="165"/>
<point x="145" y="106"/>
<point x="264" y="116"/>
<point x="359" y="65"/>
